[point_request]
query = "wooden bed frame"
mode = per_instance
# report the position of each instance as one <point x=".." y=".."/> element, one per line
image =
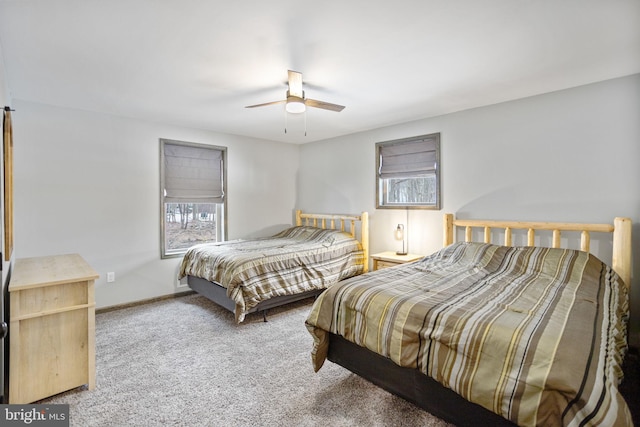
<point x="427" y="393"/>
<point x="347" y="223"/>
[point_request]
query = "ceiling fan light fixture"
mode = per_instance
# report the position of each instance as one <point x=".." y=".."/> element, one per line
<point x="295" y="105"/>
<point x="295" y="101"/>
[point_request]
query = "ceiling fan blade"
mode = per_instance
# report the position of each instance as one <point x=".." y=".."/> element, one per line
<point x="266" y="103"/>
<point x="295" y="84"/>
<point x="324" y="105"/>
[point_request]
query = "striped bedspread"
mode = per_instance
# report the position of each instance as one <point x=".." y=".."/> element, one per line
<point x="536" y="335"/>
<point x="296" y="260"/>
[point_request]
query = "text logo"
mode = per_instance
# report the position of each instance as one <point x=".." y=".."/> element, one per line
<point x="34" y="415"/>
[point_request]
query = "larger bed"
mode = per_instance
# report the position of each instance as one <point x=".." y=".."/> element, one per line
<point x="245" y="276"/>
<point x="486" y="334"/>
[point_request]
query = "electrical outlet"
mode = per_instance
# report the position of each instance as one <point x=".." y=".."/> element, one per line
<point x="111" y="277"/>
<point x="182" y="283"/>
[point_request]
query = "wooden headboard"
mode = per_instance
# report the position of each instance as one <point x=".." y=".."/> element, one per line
<point x="621" y="229"/>
<point x="339" y="222"/>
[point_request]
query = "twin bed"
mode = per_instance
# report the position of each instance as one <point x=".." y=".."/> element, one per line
<point x="486" y="334"/>
<point x="477" y="333"/>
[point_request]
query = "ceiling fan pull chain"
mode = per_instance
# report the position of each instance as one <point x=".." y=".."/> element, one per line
<point x="285" y="120"/>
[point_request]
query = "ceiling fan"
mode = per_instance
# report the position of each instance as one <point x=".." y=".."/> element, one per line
<point x="296" y="101"/>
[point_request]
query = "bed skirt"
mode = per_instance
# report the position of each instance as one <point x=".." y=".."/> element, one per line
<point x="218" y="294"/>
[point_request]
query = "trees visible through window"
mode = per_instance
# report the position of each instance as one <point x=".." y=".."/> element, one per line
<point x="193" y="187"/>
<point x="408" y="173"/>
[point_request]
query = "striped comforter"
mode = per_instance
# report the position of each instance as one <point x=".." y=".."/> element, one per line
<point x="296" y="260"/>
<point x="536" y="335"/>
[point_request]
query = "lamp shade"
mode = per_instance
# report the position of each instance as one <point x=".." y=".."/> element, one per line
<point x="399" y="235"/>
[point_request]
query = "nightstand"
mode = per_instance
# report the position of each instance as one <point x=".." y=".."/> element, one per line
<point x="390" y="259"/>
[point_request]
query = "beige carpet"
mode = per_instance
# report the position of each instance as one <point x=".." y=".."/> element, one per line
<point x="184" y="362"/>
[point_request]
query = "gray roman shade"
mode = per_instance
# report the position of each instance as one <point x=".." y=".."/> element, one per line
<point x="408" y="158"/>
<point x="192" y="174"/>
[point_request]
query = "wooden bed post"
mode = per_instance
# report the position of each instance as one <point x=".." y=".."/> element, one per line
<point x="621" y="259"/>
<point x="448" y="230"/>
<point x="298" y="218"/>
<point x="364" y="230"/>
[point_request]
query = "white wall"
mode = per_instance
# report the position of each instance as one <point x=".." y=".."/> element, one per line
<point x="566" y="156"/>
<point x="88" y="183"/>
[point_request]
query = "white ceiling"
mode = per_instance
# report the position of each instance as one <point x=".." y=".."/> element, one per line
<point x="198" y="63"/>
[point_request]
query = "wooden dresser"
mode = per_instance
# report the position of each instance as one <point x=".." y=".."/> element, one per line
<point x="51" y="327"/>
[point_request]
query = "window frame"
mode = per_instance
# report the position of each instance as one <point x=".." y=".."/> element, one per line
<point x="382" y="183"/>
<point x="221" y="226"/>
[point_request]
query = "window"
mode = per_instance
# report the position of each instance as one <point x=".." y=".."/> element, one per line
<point x="192" y="195"/>
<point x="408" y="173"/>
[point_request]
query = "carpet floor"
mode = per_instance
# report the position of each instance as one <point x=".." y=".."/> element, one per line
<point x="184" y="362"/>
